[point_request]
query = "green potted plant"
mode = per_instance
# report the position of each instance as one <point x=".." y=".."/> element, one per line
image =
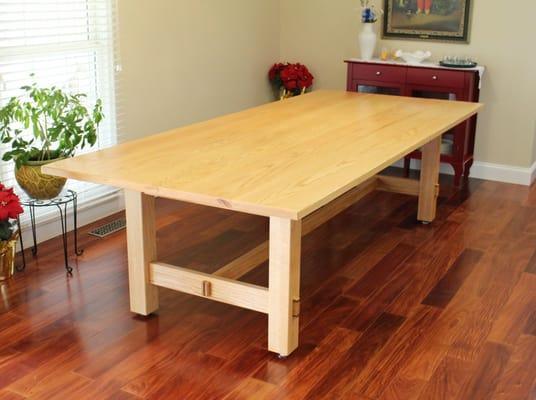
<point x="43" y="126"/>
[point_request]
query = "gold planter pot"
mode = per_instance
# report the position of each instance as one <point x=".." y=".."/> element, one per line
<point x="287" y="94"/>
<point x="7" y="257"/>
<point x="36" y="184"/>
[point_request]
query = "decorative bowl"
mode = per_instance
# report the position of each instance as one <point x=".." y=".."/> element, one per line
<point x="416" y="57"/>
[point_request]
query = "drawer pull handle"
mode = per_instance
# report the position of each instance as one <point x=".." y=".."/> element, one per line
<point x="434" y="77"/>
<point x="378" y="73"/>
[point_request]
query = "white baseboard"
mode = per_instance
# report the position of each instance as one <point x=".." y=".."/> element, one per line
<point x="90" y="209"/>
<point x="489" y="171"/>
<point x="533" y="174"/>
<point x="504" y="173"/>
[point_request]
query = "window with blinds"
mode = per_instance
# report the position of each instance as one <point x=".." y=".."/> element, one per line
<point x="65" y="43"/>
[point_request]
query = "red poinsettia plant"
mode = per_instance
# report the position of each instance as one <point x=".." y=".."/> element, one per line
<point x="292" y="79"/>
<point x="10" y="209"/>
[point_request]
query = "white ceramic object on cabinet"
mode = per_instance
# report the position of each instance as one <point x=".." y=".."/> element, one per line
<point x="416" y="57"/>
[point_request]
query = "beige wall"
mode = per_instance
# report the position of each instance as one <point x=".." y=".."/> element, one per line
<point x="189" y="60"/>
<point x="185" y="61"/>
<point x="321" y="33"/>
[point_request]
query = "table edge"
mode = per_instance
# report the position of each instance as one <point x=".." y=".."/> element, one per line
<point x="245" y="207"/>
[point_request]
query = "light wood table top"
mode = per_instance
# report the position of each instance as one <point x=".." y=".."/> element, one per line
<point x="284" y="159"/>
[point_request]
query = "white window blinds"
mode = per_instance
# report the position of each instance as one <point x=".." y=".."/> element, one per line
<point x="66" y="43"/>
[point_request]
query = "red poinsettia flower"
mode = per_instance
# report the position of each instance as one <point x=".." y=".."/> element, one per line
<point x="291" y="85"/>
<point x="9" y="204"/>
<point x="293" y="77"/>
<point x="275" y="71"/>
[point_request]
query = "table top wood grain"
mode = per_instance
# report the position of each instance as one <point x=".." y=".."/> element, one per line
<point x="284" y="159"/>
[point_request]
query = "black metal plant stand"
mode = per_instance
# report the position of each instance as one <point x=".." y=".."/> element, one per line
<point x="61" y="203"/>
<point x="22" y="267"/>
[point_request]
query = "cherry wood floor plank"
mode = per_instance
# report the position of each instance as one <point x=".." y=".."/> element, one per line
<point x="377" y="275"/>
<point x="522" y="222"/>
<point x="516" y="314"/>
<point x="121" y="395"/>
<point x="489" y="369"/>
<point x="520" y="372"/>
<point x="7" y="395"/>
<point x="326" y="294"/>
<point x="449" y="285"/>
<point x="183" y="377"/>
<point x="491" y="285"/>
<point x="530" y="327"/>
<point x="360" y="265"/>
<point x="337" y="383"/>
<point x="71" y="358"/>
<point x="334" y="316"/>
<point x="401" y="388"/>
<point x="447" y="381"/>
<point x="389" y="290"/>
<point x="63" y="385"/>
<point x="275" y="370"/>
<point x="252" y="389"/>
<point x="11" y="372"/>
<point x="429" y="263"/>
<point x="7" y="355"/>
<point x="385" y="366"/>
<point x="531" y="265"/>
<point x="461" y="314"/>
<point x="301" y="379"/>
<point x="229" y="345"/>
<point x="150" y="347"/>
<point x="235" y="372"/>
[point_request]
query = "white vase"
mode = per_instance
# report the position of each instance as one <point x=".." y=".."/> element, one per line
<point x="367" y="41"/>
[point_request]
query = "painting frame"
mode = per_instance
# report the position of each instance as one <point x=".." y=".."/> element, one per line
<point x="392" y="31"/>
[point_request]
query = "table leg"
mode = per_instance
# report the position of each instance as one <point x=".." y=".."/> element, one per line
<point x="141" y="240"/>
<point x="284" y="285"/>
<point x="429" y="186"/>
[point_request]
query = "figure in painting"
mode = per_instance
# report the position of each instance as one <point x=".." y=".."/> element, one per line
<point x="424" y="6"/>
<point x="415" y="6"/>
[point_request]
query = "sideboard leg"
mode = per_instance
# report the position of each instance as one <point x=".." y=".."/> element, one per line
<point x="467" y="171"/>
<point x="407" y="166"/>
<point x="458" y="174"/>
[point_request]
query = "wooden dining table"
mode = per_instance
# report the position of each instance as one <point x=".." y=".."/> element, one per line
<point x="298" y="162"/>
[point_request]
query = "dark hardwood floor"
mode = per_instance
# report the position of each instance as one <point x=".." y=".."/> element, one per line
<point x="391" y="310"/>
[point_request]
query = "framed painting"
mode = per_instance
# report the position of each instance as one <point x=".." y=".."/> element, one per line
<point x="446" y="20"/>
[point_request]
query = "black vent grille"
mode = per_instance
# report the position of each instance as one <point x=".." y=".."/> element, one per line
<point x="109" y="228"/>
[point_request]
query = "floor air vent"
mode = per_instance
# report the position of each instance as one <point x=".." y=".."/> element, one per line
<point x="109" y="228"/>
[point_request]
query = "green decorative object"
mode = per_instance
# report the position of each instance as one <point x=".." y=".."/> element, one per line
<point x="44" y="126"/>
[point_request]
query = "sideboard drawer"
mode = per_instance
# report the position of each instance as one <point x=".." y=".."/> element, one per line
<point x="436" y="77"/>
<point x="379" y="73"/>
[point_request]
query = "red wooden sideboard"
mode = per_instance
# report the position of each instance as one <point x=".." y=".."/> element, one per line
<point x="401" y="79"/>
